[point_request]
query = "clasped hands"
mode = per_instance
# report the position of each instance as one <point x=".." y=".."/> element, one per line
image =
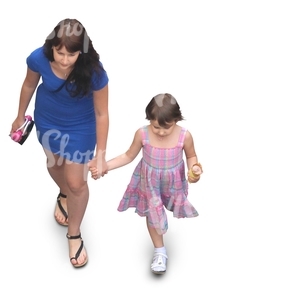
<point x="98" y="168"/>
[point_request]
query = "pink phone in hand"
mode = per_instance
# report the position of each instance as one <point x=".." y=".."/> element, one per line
<point x="22" y="133"/>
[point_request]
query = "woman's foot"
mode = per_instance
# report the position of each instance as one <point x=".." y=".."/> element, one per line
<point x="60" y="213"/>
<point x="77" y="252"/>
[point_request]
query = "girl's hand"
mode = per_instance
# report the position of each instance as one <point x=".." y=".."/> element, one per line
<point x="192" y="179"/>
<point x="194" y="173"/>
<point x="98" y="167"/>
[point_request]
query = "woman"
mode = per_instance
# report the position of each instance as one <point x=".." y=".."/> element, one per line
<point x="71" y="118"/>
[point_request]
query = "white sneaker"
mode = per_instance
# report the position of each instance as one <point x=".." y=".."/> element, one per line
<point x="159" y="263"/>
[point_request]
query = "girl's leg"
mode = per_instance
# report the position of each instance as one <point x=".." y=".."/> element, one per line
<point x="159" y="261"/>
<point x="157" y="239"/>
<point x="55" y="167"/>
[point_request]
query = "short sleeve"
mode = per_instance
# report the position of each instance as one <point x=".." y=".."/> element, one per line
<point x="33" y="58"/>
<point x="99" y="81"/>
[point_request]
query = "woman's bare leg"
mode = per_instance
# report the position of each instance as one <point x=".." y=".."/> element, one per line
<point x="72" y="181"/>
<point x="55" y="167"/>
<point x="78" y="195"/>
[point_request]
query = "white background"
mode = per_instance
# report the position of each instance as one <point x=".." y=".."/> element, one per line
<point x="233" y="66"/>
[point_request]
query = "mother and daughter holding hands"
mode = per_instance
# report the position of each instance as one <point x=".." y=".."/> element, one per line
<point x="72" y="122"/>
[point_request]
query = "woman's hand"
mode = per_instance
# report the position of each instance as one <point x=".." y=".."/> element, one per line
<point x="94" y="173"/>
<point x="98" y="167"/>
<point x="17" y="123"/>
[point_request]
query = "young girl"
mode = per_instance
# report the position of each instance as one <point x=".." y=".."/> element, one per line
<point x="158" y="181"/>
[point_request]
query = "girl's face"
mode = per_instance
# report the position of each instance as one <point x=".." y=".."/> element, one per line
<point x="64" y="58"/>
<point x="162" y="131"/>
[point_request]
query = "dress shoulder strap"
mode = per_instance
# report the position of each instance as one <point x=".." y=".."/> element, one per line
<point x="182" y="137"/>
<point x="145" y="137"/>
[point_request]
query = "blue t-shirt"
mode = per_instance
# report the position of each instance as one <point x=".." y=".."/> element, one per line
<point x="65" y="125"/>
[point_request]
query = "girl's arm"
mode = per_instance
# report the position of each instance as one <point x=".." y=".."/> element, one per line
<point x="102" y="124"/>
<point x="28" y="87"/>
<point x="190" y="153"/>
<point x="129" y="155"/>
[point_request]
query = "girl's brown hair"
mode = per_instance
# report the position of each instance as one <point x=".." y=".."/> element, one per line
<point x="164" y="109"/>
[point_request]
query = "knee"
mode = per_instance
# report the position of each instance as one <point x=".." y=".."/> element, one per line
<point x="77" y="188"/>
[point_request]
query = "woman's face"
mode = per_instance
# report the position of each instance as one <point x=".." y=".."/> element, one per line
<point x="63" y="58"/>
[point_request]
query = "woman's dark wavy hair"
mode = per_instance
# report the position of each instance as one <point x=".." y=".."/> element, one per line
<point x="164" y="109"/>
<point x="72" y="34"/>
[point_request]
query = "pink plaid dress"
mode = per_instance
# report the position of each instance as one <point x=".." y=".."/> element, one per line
<point x="159" y="182"/>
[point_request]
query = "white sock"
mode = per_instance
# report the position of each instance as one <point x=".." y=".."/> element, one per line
<point x="160" y="250"/>
<point x="156" y="264"/>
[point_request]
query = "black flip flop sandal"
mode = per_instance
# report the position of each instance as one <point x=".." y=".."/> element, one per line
<point x="62" y="209"/>
<point x="78" y="252"/>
